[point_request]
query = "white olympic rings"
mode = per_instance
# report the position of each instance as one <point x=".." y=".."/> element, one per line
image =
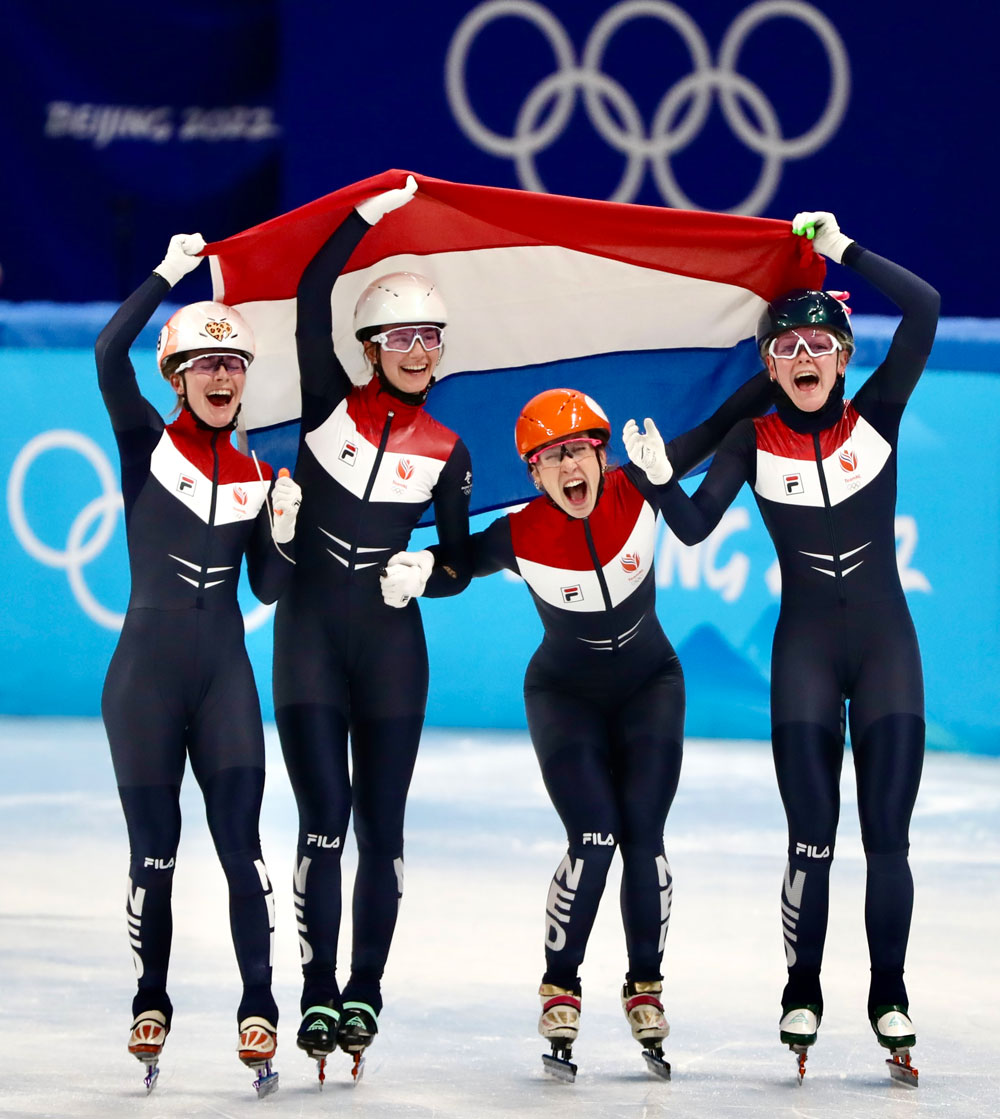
<point x="79" y="551"/>
<point x="628" y="134"/>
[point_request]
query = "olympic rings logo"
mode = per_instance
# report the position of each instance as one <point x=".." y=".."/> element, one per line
<point x="666" y="135"/>
<point x="79" y="551"/>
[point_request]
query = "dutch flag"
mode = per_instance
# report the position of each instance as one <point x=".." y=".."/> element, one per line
<point x="652" y="311"/>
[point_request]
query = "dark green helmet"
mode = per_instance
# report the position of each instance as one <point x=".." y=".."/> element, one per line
<point x="804" y="308"/>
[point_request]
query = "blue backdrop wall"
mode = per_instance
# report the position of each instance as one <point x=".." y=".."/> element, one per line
<point x="879" y="112"/>
<point x="66" y="579"/>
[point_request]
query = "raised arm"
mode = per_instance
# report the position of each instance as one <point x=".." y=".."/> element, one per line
<point x="324" y="380"/>
<point x="753" y="398"/>
<point x="919" y="303"/>
<point x="115" y="374"/>
<point x="693" y="518"/>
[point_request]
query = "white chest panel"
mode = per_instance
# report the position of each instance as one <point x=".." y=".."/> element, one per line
<point x="580" y="591"/>
<point x="847" y="469"/>
<point x="235" y="501"/>
<point x="349" y="458"/>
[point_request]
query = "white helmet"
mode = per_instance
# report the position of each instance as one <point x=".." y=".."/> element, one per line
<point x="397" y="298"/>
<point x="211" y="327"/>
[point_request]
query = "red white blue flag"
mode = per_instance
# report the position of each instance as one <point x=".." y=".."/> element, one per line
<point x="652" y="311"/>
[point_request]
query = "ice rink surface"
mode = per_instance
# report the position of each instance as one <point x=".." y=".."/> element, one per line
<point x="458" y="1029"/>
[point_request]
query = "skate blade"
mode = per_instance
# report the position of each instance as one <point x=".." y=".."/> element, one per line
<point x="901" y="1071"/>
<point x="656" y="1064"/>
<point x="152" y="1075"/>
<point x="801" y="1052"/>
<point x="266" y="1083"/>
<point x="560" y="1068"/>
<point x="357" y="1069"/>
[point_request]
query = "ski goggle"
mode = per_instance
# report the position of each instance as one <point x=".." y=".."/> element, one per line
<point x="208" y="363"/>
<point x="575" y="449"/>
<point x="815" y="341"/>
<point x="401" y="339"/>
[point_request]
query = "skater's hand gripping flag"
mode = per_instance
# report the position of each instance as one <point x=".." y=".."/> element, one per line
<point x="636" y="305"/>
<point x="646" y="450"/>
<point x="182" y="257"/>
<point x="820" y="227"/>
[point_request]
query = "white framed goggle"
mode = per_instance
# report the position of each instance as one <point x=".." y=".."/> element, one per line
<point x="401" y="339"/>
<point x="816" y="343"/>
<point x="208" y="363"/>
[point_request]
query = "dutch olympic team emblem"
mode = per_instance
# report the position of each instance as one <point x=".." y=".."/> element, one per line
<point x="666" y="135"/>
<point x="103" y="509"/>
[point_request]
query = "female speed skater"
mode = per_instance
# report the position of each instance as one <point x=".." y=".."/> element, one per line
<point x="823" y="472"/>
<point x="604" y="692"/>
<point x="347" y="662"/>
<point x="180" y="684"/>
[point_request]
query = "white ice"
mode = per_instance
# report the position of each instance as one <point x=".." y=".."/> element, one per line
<point x="458" y="1029"/>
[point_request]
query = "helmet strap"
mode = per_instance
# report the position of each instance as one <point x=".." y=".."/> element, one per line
<point x="416" y="399"/>
<point x="199" y="422"/>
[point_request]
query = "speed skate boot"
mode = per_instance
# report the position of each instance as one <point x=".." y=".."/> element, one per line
<point x="317" y="1034"/>
<point x="256" y="1048"/>
<point x="559" y="1024"/>
<point x="358" y="1028"/>
<point x="644" y="1011"/>
<point x="894" y="1030"/>
<point x="145" y="1042"/>
<point x="798" y="1028"/>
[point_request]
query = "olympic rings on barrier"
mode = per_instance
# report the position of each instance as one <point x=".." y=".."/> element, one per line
<point x="104" y="509"/>
<point x="666" y="136"/>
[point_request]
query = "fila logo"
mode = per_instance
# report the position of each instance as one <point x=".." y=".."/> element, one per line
<point x="572" y="594"/>
<point x="349" y="452"/>
<point x="630" y="562"/>
<point x="323" y="841"/>
<point x="793" y="484"/>
<point x="598" y="838"/>
<point x="158" y="864"/>
<point x="848" y="460"/>
<point x="811" y="851"/>
<point x="239" y="495"/>
<point x="404" y="470"/>
<point x="185" y="484"/>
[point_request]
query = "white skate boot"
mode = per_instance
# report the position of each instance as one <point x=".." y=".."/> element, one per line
<point x="559" y="1024"/>
<point x="149" y="1032"/>
<point x="256" y="1047"/>
<point x="644" y="1011"/>
<point x="798" y="1029"/>
<point x="894" y="1029"/>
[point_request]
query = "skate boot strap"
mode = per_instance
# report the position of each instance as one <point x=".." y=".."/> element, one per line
<point x="636" y="1001"/>
<point x="258" y="1040"/>
<point x="148" y="1033"/>
<point x="561" y="1000"/>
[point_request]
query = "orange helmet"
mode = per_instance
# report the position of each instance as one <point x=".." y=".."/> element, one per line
<point x="558" y="414"/>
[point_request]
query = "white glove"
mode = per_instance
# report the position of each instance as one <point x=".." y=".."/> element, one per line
<point x="405" y="577"/>
<point x="286" y="497"/>
<point x="182" y="257"/>
<point x="821" y="228"/>
<point x="375" y="208"/>
<point x="647" y="451"/>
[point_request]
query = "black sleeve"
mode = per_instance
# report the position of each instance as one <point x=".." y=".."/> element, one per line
<point x="268" y="570"/>
<point x="753" y="398"/>
<point x="452" y="560"/>
<point x="693" y="518"/>
<point x="324" y="380"/>
<point x="492" y="549"/>
<point x="126" y="406"/>
<point x="920" y="304"/>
